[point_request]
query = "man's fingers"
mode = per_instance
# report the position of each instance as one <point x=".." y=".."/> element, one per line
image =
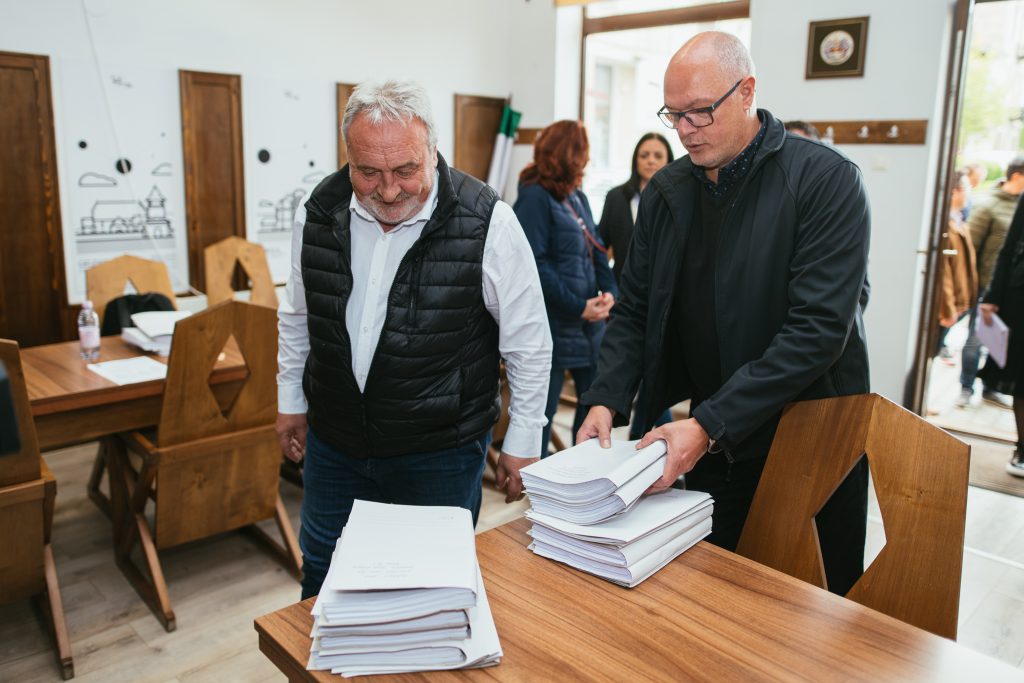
<point x="604" y="433"/>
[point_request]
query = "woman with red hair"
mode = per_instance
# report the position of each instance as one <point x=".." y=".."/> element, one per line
<point x="579" y="288"/>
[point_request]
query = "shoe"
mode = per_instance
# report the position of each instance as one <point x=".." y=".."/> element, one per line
<point x="1016" y="464"/>
<point x="964" y="399"/>
<point x="994" y="397"/>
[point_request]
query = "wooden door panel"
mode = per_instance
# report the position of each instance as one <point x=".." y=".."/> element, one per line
<point x="32" y="293"/>
<point x="211" y="122"/>
<point x="477" y="120"/>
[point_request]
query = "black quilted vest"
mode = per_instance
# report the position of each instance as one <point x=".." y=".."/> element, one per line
<point x="433" y="381"/>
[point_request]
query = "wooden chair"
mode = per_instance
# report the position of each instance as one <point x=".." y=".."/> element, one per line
<point x="27" y="494"/>
<point x="220" y="268"/>
<point x="920" y="477"/>
<point x="207" y="471"/>
<point x="107" y="280"/>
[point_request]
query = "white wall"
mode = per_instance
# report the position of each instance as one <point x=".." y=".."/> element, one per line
<point x="479" y="47"/>
<point x="904" y="74"/>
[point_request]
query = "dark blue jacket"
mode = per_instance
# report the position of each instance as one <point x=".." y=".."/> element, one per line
<point x="570" y="272"/>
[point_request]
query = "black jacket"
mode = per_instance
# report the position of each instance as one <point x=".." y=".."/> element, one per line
<point x="433" y="380"/>
<point x="616" y="226"/>
<point x="790" y="272"/>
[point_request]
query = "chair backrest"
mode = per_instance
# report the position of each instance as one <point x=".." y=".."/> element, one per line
<point x="107" y="280"/>
<point x="920" y="477"/>
<point x="190" y="410"/>
<point x="220" y="268"/>
<point x="24" y="465"/>
<point x="22" y="526"/>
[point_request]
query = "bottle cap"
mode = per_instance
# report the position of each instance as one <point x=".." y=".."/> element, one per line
<point x="87" y="304"/>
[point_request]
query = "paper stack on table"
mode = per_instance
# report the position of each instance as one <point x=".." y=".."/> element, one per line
<point x="153" y="330"/>
<point x="570" y="491"/>
<point x="403" y="593"/>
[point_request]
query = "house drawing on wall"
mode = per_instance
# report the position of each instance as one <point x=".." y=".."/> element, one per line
<point x="118" y="219"/>
<point x="280" y="219"/>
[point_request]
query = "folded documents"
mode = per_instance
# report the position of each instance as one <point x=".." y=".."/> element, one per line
<point x="616" y="503"/>
<point x="587" y="473"/>
<point x="155" y="324"/>
<point x="439" y="620"/>
<point x="649" y="515"/>
<point x="635" y="573"/>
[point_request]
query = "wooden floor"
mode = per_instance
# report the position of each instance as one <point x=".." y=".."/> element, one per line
<point x="219" y="586"/>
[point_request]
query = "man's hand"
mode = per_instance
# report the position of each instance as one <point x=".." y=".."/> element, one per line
<point x="598" y="307"/>
<point x="291" y="435"/>
<point x="507" y="475"/>
<point x="598" y="424"/>
<point x="687" y="442"/>
<point x="986" y="312"/>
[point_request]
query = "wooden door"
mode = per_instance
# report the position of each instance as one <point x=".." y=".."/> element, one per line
<point x="32" y="288"/>
<point x="343" y="92"/>
<point x="211" y="127"/>
<point x="477" y="120"/>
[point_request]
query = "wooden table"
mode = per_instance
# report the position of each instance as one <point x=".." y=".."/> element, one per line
<point x="710" y="615"/>
<point x="71" y="404"/>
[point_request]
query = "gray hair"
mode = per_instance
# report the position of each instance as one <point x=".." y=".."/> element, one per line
<point x="733" y="55"/>
<point x="390" y="101"/>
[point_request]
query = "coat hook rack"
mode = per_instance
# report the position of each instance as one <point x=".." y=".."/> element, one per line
<point x="903" y="132"/>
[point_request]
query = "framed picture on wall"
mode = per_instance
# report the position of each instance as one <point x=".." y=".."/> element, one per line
<point x="836" y="48"/>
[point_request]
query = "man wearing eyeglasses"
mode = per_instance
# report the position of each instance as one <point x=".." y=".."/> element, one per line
<point x="740" y="292"/>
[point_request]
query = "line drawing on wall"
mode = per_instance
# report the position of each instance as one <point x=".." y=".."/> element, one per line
<point x="163" y="169"/>
<point x="120" y="219"/>
<point x="92" y="179"/>
<point x="314" y="177"/>
<point x="279" y="218"/>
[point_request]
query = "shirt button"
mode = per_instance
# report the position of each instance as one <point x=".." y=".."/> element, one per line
<point x="373" y="281"/>
<point x="366" y="329"/>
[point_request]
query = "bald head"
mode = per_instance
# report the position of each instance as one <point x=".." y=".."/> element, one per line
<point x="713" y="69"/>
<point x="723" y="52"/>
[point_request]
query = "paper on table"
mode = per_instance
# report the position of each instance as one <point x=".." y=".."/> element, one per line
<point x="649" y="515"/>
<point x="130" y="370"/>
<point x="619" y="502"/>
<point x="996" y="337"/>
<point x="391" y="547"/>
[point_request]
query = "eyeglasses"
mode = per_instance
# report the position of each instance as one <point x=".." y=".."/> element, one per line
<point x="699" y="117"/>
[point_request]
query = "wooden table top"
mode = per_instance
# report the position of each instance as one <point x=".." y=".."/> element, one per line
<point x="710" y="615"/>
<point x="59" y="381"/>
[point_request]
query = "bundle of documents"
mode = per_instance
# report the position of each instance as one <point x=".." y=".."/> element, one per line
<point x="587" y="484"/>
<point x="570" y="487"/>
<point x="403" y="593"/>
<point x="153" y="330"/>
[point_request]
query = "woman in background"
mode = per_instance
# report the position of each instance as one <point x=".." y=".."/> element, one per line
<point x="650" y="155"/>
<point x="958" y="272"/>
<point x="579" y="288"/>
<point x="620" y="206"/>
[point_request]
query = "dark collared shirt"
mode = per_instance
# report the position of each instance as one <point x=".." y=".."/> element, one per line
<point x="733" y="172"/>
<point x="694" y="303"/>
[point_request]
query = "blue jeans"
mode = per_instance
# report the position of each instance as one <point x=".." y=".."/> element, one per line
<point x="970" y="358"/>
<point x="332" y="480"/>
<point x="581" y="377"/>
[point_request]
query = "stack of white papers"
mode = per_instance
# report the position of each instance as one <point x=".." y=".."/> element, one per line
<point x="587" y="484"/>
<point x="153" y="330"/>
<point x="571" y="489"/>
<point x="130" y="370"/>
<point x="403" y="593"/>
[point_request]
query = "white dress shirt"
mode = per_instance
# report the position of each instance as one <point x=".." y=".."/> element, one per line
<point x="511" y="291"/>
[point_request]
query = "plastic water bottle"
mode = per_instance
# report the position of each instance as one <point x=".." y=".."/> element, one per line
<point x="89" y="332"/>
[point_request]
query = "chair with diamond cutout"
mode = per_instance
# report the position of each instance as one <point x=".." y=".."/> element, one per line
<point x="919" y="473"/>
<point x="220" y="259"/>
<point x="207" y="471"/>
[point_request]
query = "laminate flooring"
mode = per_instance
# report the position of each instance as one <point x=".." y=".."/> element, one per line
<point x="219" y="586"/>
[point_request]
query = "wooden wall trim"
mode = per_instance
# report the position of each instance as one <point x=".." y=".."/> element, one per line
<point x="527" y="136"/>
<point x="888" y="132"/>
<point x="719" y="11"/>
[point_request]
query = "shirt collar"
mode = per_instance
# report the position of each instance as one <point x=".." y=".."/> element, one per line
<point x="734" y="171"/>
<point x="421" y="216"/>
